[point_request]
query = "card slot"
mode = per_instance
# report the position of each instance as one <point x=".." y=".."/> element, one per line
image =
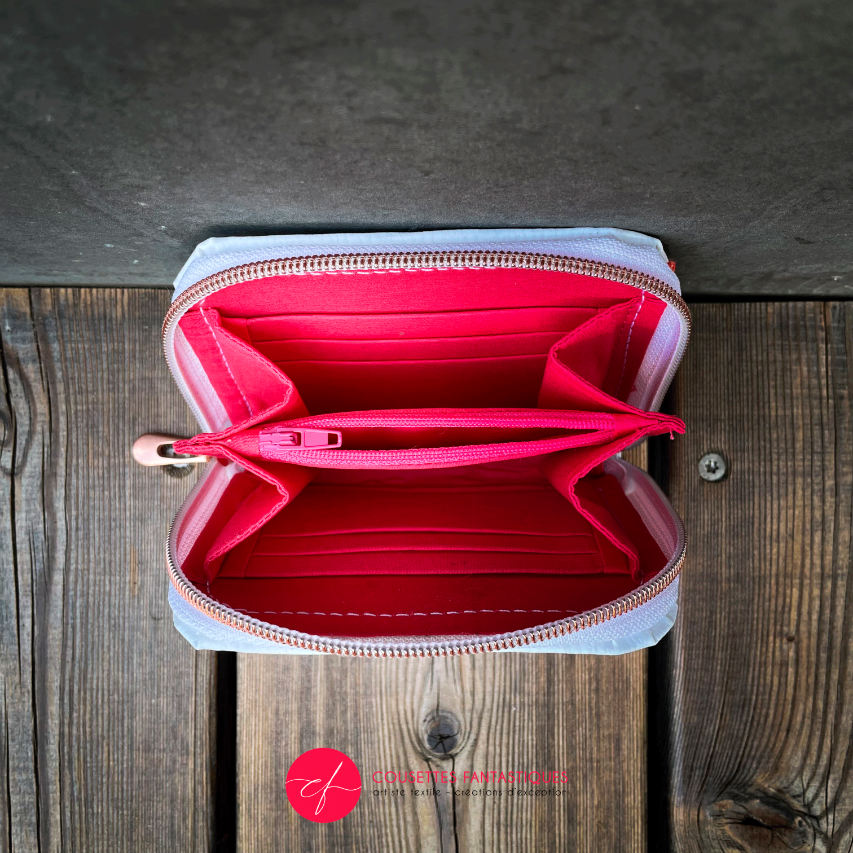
<point x="340" y="386"/>
<point x="423" y="290"/>
<point x="391" y="487"/>
<point x="374" y="547"/>
<point x="394" y="361"/>
<point x="422" y="541"/>
<point x="409" y="530"/>
<point x="332" y="531"/>
<point x="410" y="339"/>
<point x="436" y="562"/>
<point x="319" y="509"/>
<point x="411" y="349"/>
<point x="437" y="323"/>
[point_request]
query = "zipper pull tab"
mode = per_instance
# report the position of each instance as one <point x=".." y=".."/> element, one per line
<point x="310" y="439"/>
<point x="157" y="449"/>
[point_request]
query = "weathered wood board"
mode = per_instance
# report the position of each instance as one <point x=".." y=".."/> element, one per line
<point x="496" y="712"/>
<point x="761" y="685"/>
<point x="105" y="725"/>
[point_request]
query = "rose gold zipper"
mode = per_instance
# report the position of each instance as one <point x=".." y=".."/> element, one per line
<point x="418" y="260"/>
<point x="516" y="639"/>
<point x="457" y="259"/>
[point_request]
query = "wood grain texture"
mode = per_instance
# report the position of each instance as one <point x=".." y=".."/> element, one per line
<point x="478" y="713"/>
<point x="105" y="721"/>
<point x="761" y="695"/>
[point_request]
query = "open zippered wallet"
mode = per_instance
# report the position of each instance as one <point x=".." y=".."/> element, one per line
<point x="414" y="442"/>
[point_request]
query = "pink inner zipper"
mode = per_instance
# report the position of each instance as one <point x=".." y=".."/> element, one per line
<point x="320" y="441"/>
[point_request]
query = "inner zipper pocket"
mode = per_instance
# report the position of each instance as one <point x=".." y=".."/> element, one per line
<point x="426" y="438"/>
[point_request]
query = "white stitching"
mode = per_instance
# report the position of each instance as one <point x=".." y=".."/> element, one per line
<point x="628" y="341"/>
<point x="225" y="360"/>
<point x="415" y="613"/>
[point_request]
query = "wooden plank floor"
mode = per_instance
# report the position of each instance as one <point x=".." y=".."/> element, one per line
<point x="732" y="735"/>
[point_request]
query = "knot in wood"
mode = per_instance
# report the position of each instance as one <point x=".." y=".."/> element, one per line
<point x="442" y="733"/>
<point x="763" y="820"/>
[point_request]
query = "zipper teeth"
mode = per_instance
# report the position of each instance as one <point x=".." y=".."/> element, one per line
<point x="417" y="260"/>
<point x="422" y="260"/>
<point x="349" y="458"/>
<point x="590" y="427"/>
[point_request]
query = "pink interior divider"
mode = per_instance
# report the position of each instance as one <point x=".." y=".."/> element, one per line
<point x="251" y="387"/>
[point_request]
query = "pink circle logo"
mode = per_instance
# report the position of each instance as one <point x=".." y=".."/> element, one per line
<point x="323" y="785"/>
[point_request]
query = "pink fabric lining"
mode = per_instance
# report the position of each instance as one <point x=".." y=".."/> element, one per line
<point x="289" y="537"/>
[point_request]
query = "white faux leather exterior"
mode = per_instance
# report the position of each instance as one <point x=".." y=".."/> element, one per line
<point x="607" y="245"/>
<point x="638" y="628"/>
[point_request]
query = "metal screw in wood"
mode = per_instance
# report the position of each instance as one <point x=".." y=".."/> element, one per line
<point x="713" y="467"/>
